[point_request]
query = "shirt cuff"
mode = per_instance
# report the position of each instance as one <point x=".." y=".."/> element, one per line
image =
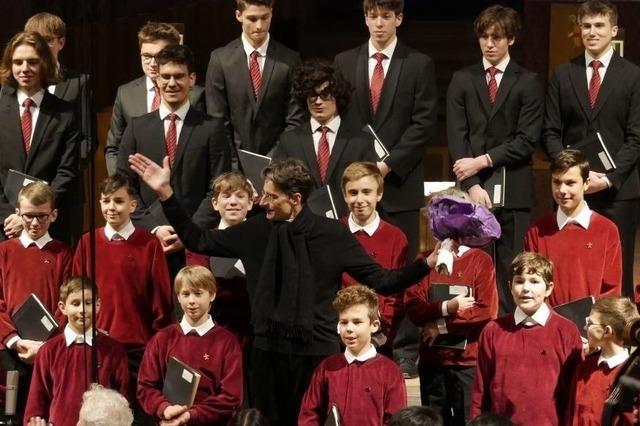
<point x="489" y="160"/>
<point x="445" y="311"/>
<point x="12" y="341"/>
<point x="153" y="231"/>
<point x="442" y="326"/>
<point x="606" y="179"/>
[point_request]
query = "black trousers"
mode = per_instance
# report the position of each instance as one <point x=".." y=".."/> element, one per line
<point x="448" y="391"/>
<point x="140" y="418"/>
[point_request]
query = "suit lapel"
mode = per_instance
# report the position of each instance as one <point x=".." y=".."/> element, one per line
<point x="506" y="83"/>
<point x="10" y="126"/>
<point x="362" y="84"/>
<point x="611" y="77"/>
<point x="578" y="77"/>
<point x="479" y="80"/>
<point x="139" y="98"/>
<point x="309" y="152"/>
<point x="267" y="71"/>
<point x="390" y="84"/>
<point x="185" y="136"/>
<point x="239" y="64"/>
<point x="44" y="117"/>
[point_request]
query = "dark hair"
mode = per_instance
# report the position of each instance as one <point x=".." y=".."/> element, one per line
<point x="598" y="7"/>
<point x="249" y="417"/>
<point x="154" y="31"/>
<point x="504" y="20"/>
<point x="416" y="416"/>
<point x="533" y="263"/>
<point x="48" y="67"/>
<point x="569" y="158"/>
<point x="313" y="73"/>
<point x="490" y="419"/>
<point x="115" y="182"/>
<point x="397" y="6"/>
<point x="290" y="176"/>
<point x="178" y="54"/>
<point x="243" y="4"/>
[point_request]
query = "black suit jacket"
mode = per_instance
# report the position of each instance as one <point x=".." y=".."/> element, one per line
<point x="570" y="119"/>
<point x="131" y="102"/>
<point x="253" y="124"/>
<point x="508" y="130"/>
<point x="349" y="146"/>
<point x="76" y="89"/>
<point x="405" y="120"/>
<point x="53" y="155"/>
<point x="203" y="153"/>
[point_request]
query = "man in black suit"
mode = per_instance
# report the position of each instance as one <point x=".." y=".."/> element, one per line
<point x="599" y="91"/>
<point x="494" y="121"/>
<point x="142" y="95"/>
<point x="324" y="145"/>
<point x="249" y="80"/>
<point x="38" y="133"/>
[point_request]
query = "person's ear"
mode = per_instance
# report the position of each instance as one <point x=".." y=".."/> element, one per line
<point x="54" y="215"/>
<point x="375" y="324"/>
<point x="61" y="306"/>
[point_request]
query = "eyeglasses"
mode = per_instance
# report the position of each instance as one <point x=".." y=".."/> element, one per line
<point x="589" y="323"/>
<point x="324" y="95"/>
<point x="147" y="58"/>
<point x="269" y="197"/>
<point x="40" y="217"/>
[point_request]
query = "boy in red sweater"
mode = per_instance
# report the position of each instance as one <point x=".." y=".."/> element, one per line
<point x="365" y="387"/>
<point x="200" y="344"/>
<point x="595" y="375"/>
<point x="362" y="187"/>
<point x="583" y="245"/>
<point x="526" y="359"/>
<point x="63" y="366"/>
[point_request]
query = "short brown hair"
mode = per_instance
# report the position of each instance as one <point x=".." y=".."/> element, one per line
<point x="230" y="182"/>
<point x="38" y="193"/>
<point x="154" y="31"/>
<point x="598" y="7"/>
<point x="48" y="67"/>
<point x="241" y="5"/>
<point x="197" y="277"/>
<point x="357" y="295"/>
<point x="290" y="176"/>
<point x="46" y="24"/>
<point x="358" y="170"/>
<point x="568" y="158"/>
<point x="616" y="312"/>
<point x="396" y="6"/>
<point x="115" y="182"/>
<point x="77" y="283"/>
<point x="504" y="20"/>
<point x="532" y="263"/>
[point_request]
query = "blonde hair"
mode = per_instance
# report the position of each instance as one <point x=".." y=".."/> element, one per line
<point x="46" y="24"/>
<point x="197" y="277"/>
<point x="38" y="193"/>
<point x="358" y="170"/>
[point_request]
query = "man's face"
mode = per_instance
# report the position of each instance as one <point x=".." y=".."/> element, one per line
<point x="55" y="44"/>
<point x="382" y="24"/>
<point x="233" y="205"/>
<point x="597" y="33"/>
<point x="26" y="67"/>
<point x="529" y="292"/>
<point x="255" y="21"/>
<point x="356" y="328"/>
<point x="362" y="196"/>
<point x="494" y="46"/>
<point x="36" y="219"/>
<point x="568" y="189"/>
<point x="148" y="51"/>
<point x="175" y="83"/>
<point x="278" y="205"/>
<point x="117" y="207"/>
<point x="322" y="106"/>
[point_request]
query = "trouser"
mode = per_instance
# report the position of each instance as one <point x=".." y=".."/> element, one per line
<point x="448" y="391"/>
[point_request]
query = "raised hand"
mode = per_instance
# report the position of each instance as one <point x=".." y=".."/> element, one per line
<point x="158" y="178"/>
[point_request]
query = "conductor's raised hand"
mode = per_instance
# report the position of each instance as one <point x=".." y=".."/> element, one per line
<point x="158" y="178"/>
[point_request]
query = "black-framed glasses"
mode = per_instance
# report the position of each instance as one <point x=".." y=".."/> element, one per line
<point x="147" y="57"/>
<point x="325" y="95"/>
<point x="40" y="217"/>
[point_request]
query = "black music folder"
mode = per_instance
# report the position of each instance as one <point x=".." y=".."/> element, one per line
<point x="495" y="186"/>
<point x="15" y="181"/>
<point x="321" y="203"/>
<point x="180" y="383"/>
<point x="225" y="267"/>
<point x="33" y="320"/>
<point x="333" y="417"/>
<point x="379" y="148"/>
<point x="442" y="292"/>
<point x="252" y="165"/>
<point x="594" y="148"/>
<point x="577" y="311"/>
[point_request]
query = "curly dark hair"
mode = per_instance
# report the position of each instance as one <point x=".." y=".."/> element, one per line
<point x="313" y="73"/>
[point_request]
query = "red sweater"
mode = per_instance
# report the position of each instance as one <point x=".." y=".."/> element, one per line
<point x="524" y="373"/>
<point x="365" y="393"/>
<point x="133" y="282"/>
<point x="62" y="373"/>
<point x="216" y="355"/>
<point x="474" y="268"/>
<point x="585" y="261"/>
<point x="30" y="270"/>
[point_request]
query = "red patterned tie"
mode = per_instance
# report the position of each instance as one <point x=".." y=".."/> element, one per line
<point x="172" y="139"/>
<point x="155" y="104"/>
<point x="377" y="80"/>
<point x="594" y="83"/>
<point x="254" y="71"/>
<point x="493" y="84"/>
<point x="25" y="121"/>
<point x="323" y="153"/>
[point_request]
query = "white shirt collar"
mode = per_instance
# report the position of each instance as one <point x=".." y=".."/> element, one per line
<point x="248" y="48"/>
<point x="125" y="232"/>
<point x="605" y="58"/>
<point x="370" y="353"/>
<point x="462" y="249"/>
<point x="181" y="112"/>
<point x="26" y="240"/>
<point x="388" y="51"/>
<point x="540" y="317"/>
<point x="582" y="218"/>
<point x="615" y="360"/>
<point x="150" y="84"/>
<point x="369" y="228"/>
<point x="502" y="65"/>
<point x="224" y="225"/>
<point x="333" y="124"/>
<point x="71" y="336"/>
<point x="36" y="98"/>
<point x="202" y="329"/>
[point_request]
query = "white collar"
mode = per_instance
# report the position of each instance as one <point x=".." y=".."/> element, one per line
<point x="462" y="249"/>
<point x="616" y="360"/>
<point x="224" y="224"/>
<point x="202" y="329"/>
<point x="26" y="240"/>
<point x="388" y="51"/>
<point x="36" y="98"/>
<point x="249" y="49"/>
<point x="180" y="112"/>
<point x="370" y="353"/>
<point x="540" y="317"/>
<point x="502" y="65"/>
<point x="149" y="84"/>
<point x="605" y="58"/>
<point x="369" y="228"/>
<point x="126" y="231"/>
<point x="71" y="336"/>
<point x="582" y="218"/>
<point x="333" y="124"/>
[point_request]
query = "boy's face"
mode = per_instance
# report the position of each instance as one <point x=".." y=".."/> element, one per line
<point x="382" y="24"/>
<point x="255" y="21"/>
<point x="26" y="67"/>
<point x="529" y="292"/>
<point x="148" y="52"/>
<point x="36" y="219"/>
<point x="322" y="106"/>
<point x="117" y="207"/>
<point x="568" y="189"/>
<point x="175" y="83"/>
<point x="195" y="303"/>
<point x="361" y="195"/>
<point x="494" y="46"/>
<point x="232" y="206"/>
<point x="597" y="33"/>
<point x="73" y="307"/>
<point x="595" y="329"/>
<point x="356" y="328"/>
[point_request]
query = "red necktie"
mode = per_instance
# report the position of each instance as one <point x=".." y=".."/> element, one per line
<point x="493" y="84"/>
<point x="323" y="153"/>
<point x="155" y="104"/>
<point x="594" y="83"/>
<point x="25" y="121"/>
<point x="377" y="80"/>
<point x="254" y="71"/>
<point x="172" y="139"/>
